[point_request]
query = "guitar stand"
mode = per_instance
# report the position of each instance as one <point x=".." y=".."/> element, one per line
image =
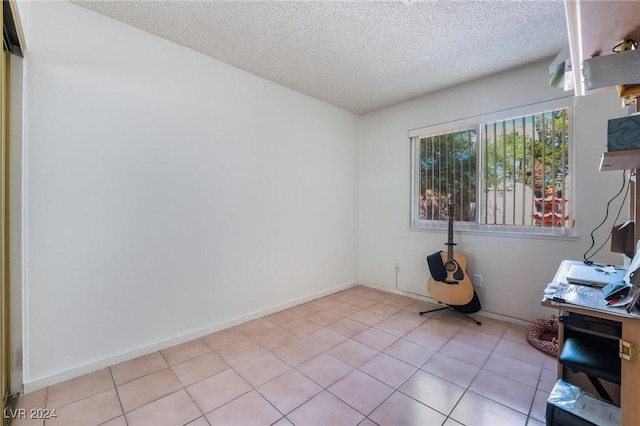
<point x="452" y="310"/>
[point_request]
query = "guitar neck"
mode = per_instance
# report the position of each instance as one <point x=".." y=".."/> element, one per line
<point x="450" y="242"/>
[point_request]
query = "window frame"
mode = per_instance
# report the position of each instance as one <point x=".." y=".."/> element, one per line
<point x="478" y="122"/>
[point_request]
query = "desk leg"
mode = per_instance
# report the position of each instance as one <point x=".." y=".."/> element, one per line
<point x="560" y="368"/>
<point x="630" y="380"/>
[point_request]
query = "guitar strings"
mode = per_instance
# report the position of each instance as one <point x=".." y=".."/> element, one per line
<point x="625" y="183"/>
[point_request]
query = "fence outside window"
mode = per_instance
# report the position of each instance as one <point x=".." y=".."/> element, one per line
<point x="509" y="175"/>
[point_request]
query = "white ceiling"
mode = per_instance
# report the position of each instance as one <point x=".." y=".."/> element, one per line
<point x="357" y="55"/>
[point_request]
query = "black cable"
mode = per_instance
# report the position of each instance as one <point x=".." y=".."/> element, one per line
<point x="614" y="221"/>
<point x="587" y="260"/>
<point x="625" y="182"/>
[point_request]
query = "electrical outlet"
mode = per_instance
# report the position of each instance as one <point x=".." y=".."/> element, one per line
<point x="477" y="280"/>
<point x="396" y="266"/>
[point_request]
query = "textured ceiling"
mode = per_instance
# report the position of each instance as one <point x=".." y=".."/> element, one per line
<point x="357" y="55"/>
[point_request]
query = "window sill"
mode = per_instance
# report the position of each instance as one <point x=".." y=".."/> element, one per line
<point x="486" y="231"/>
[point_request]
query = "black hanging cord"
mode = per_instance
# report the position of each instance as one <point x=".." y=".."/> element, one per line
<point x="625" y="182"/>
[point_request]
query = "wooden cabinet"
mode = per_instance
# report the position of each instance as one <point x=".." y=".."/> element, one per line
<point x="630" y="335"/>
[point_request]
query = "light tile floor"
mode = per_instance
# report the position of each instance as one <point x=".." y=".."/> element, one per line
<point x="357" y="357"/>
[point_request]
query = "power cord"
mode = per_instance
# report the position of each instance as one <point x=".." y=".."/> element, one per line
<point x="625" y="183"/>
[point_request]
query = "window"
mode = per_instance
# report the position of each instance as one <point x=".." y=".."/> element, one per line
<point x="501" y="174"/>
<point x="448" y="174"/>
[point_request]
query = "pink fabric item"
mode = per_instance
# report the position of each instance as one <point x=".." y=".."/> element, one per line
<point x="542" y="334"/>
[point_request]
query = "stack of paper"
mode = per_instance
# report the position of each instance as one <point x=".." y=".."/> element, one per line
<point x="588" y="297"/>
<point x="634" y="293"/>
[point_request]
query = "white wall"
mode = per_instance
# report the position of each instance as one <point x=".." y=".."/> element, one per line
<point x="515" y="270"/>
<point x="169" y="194"/>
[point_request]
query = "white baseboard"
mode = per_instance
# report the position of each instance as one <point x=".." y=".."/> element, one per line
<point x="425" y="298"/>
<point x="62" y="376"/>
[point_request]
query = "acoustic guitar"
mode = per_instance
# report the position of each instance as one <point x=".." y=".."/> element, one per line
<point x="456" y="288"/>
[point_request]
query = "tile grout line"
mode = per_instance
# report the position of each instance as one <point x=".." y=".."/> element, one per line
<point x="301" y="338"/>
<point x="126" y="422"/>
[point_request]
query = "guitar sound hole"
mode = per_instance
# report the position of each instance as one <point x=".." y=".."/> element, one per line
<point x="458" y="274"/>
